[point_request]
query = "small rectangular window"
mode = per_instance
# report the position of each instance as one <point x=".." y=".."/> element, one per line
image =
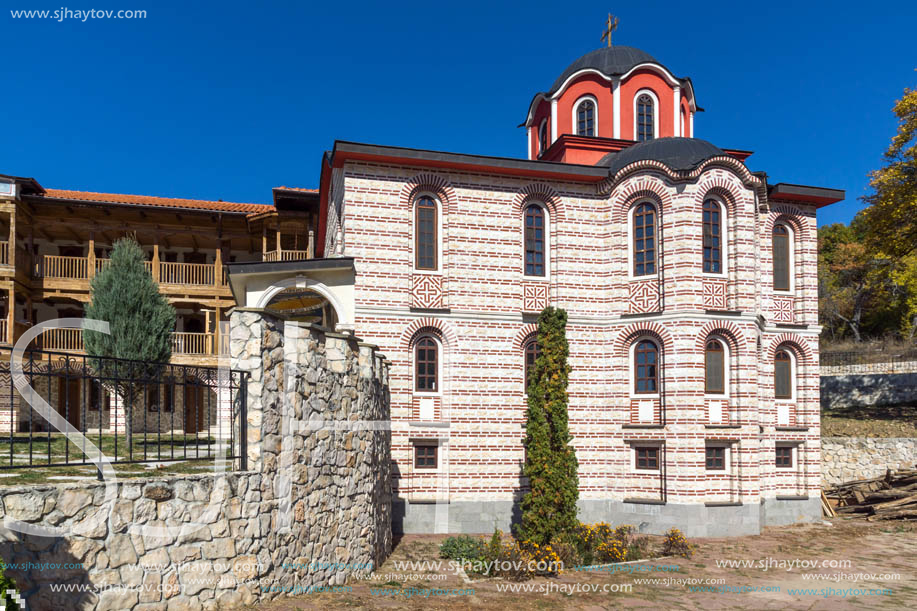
<point x="716" y="458"/>
<point x="425" y="456"/>
<point x="784" y="457"/>
<point x="647" y="457"/>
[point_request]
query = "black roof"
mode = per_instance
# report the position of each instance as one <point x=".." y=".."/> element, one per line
<point x="607" y="60"/>
<point x="679" y="154"/>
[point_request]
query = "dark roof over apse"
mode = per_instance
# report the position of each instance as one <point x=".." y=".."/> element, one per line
<point x="678" y="154"/>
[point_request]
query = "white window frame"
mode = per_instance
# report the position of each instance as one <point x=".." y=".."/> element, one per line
<point x="630" y="240"/>
<point x="650" y="443"/>
<point x="439" y="234"/>
<point x="440" y="355"/>
<point x="794" y="374"/>
<point x="595" y="113"/>
<point x="632" y="364"/>
<point x="655" y="98"/>
<point x="727" y="369"/>
<point x="428" y="441"/>
<point x="724" y="238"/>
<point x="547" y="241"/>
<point x="792" y="257"/>
<point x="727" y="456"/>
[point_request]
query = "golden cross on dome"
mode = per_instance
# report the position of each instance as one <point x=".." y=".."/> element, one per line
<point x="610" y="27"/>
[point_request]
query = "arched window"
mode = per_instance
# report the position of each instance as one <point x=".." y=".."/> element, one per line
<point x="645" y="240"/>
<point x="531" y="352"/>
<point x="535" y="233"/>
<point x="543" y="137"/>
<point x="646" y="120"/>
<point x="425" y="223"/>
<point x="715" y="368"/>
<point x="780" y="242"/>
<point x="783" y="375"/>
<point x="585" y="118"/>
<point x="713" y="237"/>
<point x="646" y="367"/>
<point x="426" y="365"/>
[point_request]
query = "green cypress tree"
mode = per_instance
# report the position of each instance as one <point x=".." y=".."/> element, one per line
<point x="549" y="508"/>
<point x="140" y="319"/>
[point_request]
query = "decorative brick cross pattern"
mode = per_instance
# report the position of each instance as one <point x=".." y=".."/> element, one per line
<point x="644" y="297"/>
<point x="783" y="309"/>
<point x="534" y="297"/>
<point x="714" y="295"/>
<point x="427" y="292"/>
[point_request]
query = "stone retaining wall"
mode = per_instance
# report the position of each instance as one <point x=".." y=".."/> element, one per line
<point x="867" y="389"/>
<point x="849" y="458"/>
<point x="314" y="510"/>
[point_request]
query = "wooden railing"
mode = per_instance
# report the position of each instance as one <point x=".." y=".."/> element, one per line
<point x="4" y="253"/>
<point x="77" y="268"/>
<point x="186" y="273"/>
<point x="71" y="340"/>
<point x="192" y="343"/>
<point x="287" y="255"/>
<point x="55" y="266"/>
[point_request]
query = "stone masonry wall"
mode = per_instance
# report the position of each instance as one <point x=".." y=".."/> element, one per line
<point x="314" y="509"/>
<point x="848" y="458"/>
<point x="864" y="389"/>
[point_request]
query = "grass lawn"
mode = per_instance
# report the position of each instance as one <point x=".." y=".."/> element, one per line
<point x="50" y="475"/>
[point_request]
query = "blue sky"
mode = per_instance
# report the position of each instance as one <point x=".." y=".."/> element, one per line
<point x="228" y="100"/>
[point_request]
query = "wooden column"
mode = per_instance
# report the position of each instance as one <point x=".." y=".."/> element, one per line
<point x="310" y="253"/>
<point x="156" y="260"/>
<point x="263" y="240"/>
<point x="279" y="257"/>
<point x="10" y="315"/>
<point x="12" y="246"/>
<point x="218" y="266"/>
<point x="91" y="258"/>
<point x="215" y="347"/>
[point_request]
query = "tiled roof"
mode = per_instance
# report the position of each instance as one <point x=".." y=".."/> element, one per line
<point x="158" y="202"/>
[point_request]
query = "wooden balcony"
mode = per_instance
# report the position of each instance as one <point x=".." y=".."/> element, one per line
<point x="286" y="255"/>
<point x="55" y="267"/>
<point x="71" y="340"/>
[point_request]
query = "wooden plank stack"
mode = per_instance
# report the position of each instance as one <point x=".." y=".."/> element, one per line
<point x="892" y="497"/>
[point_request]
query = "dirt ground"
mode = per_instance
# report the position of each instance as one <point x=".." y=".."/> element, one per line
<point x="875" y="421"/>
<point x="878" y="550"/>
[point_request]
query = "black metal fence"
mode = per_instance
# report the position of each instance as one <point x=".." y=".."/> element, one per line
<point x="133" y="411"/>
<point x="865" y="357"/>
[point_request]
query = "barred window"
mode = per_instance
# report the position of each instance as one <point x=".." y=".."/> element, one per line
<point x="716" y="458"/>
<point x="715" y="364"/>
<point x="713" y="238"/>
<point x="425" y="456"/>
<point x="426" y="362"/>
<point x="784" y="456"/>
<point x="783" y="375"/>
<point x="425" y="230"/>
<point x="534" y="240"/>
<point x="646" y="367"/>
<point x="585" y="118"/>
<point x="645" y="240"/>
<point x="532" y="352"/>
<point x="647" y="457"/>
<point x="645" y="118"/>
<point x="780" y="241"/>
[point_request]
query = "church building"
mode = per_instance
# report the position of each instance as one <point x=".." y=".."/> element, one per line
<point x="689" y="281"/>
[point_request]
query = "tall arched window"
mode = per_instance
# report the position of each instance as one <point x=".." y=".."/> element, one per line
<point x="645" y="240"/>
<point x="543" y="137"/>
<point x="426" y="365"/>
<point x="425" y="243"/>
<point x="646" y="367"/>
<point x="585" y="118"/>
<point x="531" y="352"/>
<point x="783" y="375"/>
<point x="713" y="237"/>
<point x="780" y="242"/>
<point x="646" y="121"/>
<point x="715" y="368"/>
<point x="535" y="232"/>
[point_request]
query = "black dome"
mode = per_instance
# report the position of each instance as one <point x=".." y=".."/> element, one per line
<point x="608" y="60"/>
<point x="679" y="154"/>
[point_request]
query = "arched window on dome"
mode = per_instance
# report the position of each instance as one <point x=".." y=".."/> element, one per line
<point x="585" y="117"/>
<point x="543" y="137"/>
<point x="646" y="120"/>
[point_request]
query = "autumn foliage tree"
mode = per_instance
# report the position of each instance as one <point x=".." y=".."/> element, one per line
<point x="549" y="508"/>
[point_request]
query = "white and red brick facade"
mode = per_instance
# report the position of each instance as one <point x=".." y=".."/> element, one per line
<point x="480" y="308"/>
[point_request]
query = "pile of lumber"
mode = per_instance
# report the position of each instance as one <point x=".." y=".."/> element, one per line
<point x="892" y="497"/>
